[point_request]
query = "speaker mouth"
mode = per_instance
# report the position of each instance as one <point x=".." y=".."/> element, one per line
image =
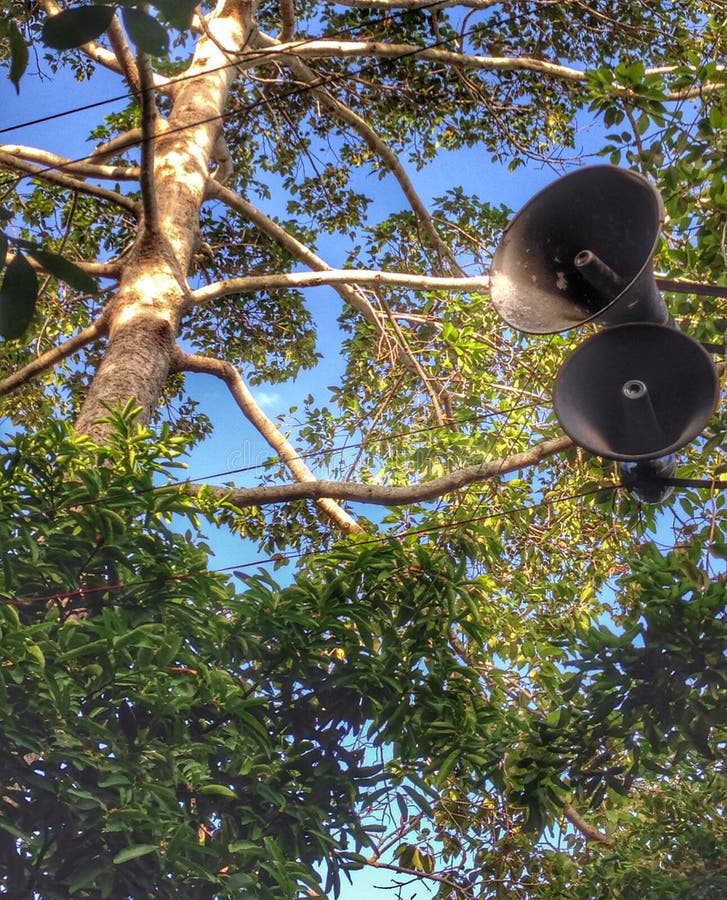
<point x="637" y="391"/>
<point x="581" y="250"/>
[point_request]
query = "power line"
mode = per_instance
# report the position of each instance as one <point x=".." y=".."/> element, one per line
<point x="262" y="52"/>
<point x="383" y="439"/>
<point x="67" y="112"/>
<point x="123" y="494"/>
<point x="81" y="591"/>
<point x="250" y="107"/>
<point x="242" y="110"/>
<point x="525" y="389"/>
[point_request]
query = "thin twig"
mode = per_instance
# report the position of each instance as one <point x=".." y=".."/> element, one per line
<point x="429" y="384"/>
<point x="522" y="696"/>
<point x="288" y="242"/>
<point x="377" y="145"/>
<point x="420" y="873"/>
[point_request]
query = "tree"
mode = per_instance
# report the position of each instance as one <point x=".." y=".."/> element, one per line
<point x="509" y="682"/>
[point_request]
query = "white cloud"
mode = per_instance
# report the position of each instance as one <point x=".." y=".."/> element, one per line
<point x="267" y="399"/>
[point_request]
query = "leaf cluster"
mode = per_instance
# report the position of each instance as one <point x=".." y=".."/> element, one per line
<point x="19" y="288"/>
<point x="77" y="25"/>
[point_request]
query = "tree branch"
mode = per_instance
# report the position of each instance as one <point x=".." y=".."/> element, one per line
<point x="225" y="371"/>
<point x="125" y="57"/>
<point x="305" y="255"/>
<point x="53" y="357"/>
<point x="384" y="495"/>
<point x="291" y="244"/>
<point x="117" y="145"/>
<point x="95" y="52"/>
<point x="287" y="18"/>
<point x="326" y="48"/>
<point x="419" y="4"/>
<point x="149" y="115"/>
<point x="369" y="277"/>
<point x="106" y="58"/>
<point x="458" y="890"/>
<point x="67" y="181"/>
<point x="377" y="145"/>
<point x="81" y="168"/>
<point x="681" y="286"/>
<point x="590" y="832"/>
<point x="111" y="269"/>
<point x="522" y="696"/>
<point x="431" y="385"/>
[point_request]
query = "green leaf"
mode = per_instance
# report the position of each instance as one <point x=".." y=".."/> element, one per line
<point x="116" y="780"/>
<point x="85" y="876"/>
<point x="718" y="549"/>
<point x="3" y="249"/>
<point x="37" y="654"/>
<point x="64" y="270"/>
<point x="18" y="54"/>
<point x="244" y="847"/>
<point x="448" y="764"/>
<point x="420" y="800"/>
<point x="219" y="790"/>
<point x="133" y="852"/>
<point x="17" y="297"/>
<point x="145" y="32"/>
<point x="177" y="12"/>
<point x="11" y="828"/>
<point x="75" y="27"/>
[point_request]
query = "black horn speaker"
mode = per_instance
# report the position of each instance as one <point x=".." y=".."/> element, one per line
<point x="581" y="250"/>
<point x="636" y="392"/>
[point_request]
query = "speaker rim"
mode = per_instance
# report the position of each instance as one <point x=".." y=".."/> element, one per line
<point x="654" y="329"/>
<point x="599" y="314"/>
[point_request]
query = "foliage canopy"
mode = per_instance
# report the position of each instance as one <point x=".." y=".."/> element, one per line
<point x="508" y="680"/>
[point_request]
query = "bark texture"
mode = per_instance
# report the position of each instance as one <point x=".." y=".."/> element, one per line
<point x="143" y="318"/>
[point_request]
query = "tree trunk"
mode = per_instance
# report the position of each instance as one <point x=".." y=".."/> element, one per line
<point x="143" y="318"/>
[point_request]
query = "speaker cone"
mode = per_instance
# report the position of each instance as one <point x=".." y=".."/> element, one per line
<point x="636" y="392"/>
<point x="581" y="250"/>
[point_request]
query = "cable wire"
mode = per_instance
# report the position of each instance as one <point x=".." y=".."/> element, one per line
<point x="262" y="52"/>
<point x="125" y="493"/>
<point x="81" y="591"/>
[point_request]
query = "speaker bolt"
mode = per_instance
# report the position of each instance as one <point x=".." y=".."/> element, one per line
<point x="634" y="390"/>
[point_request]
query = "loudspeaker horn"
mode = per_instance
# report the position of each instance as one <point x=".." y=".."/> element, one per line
<point x="650" y="480"/>
<point x="636" y="392"/>
<point x="579" y="251"/>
